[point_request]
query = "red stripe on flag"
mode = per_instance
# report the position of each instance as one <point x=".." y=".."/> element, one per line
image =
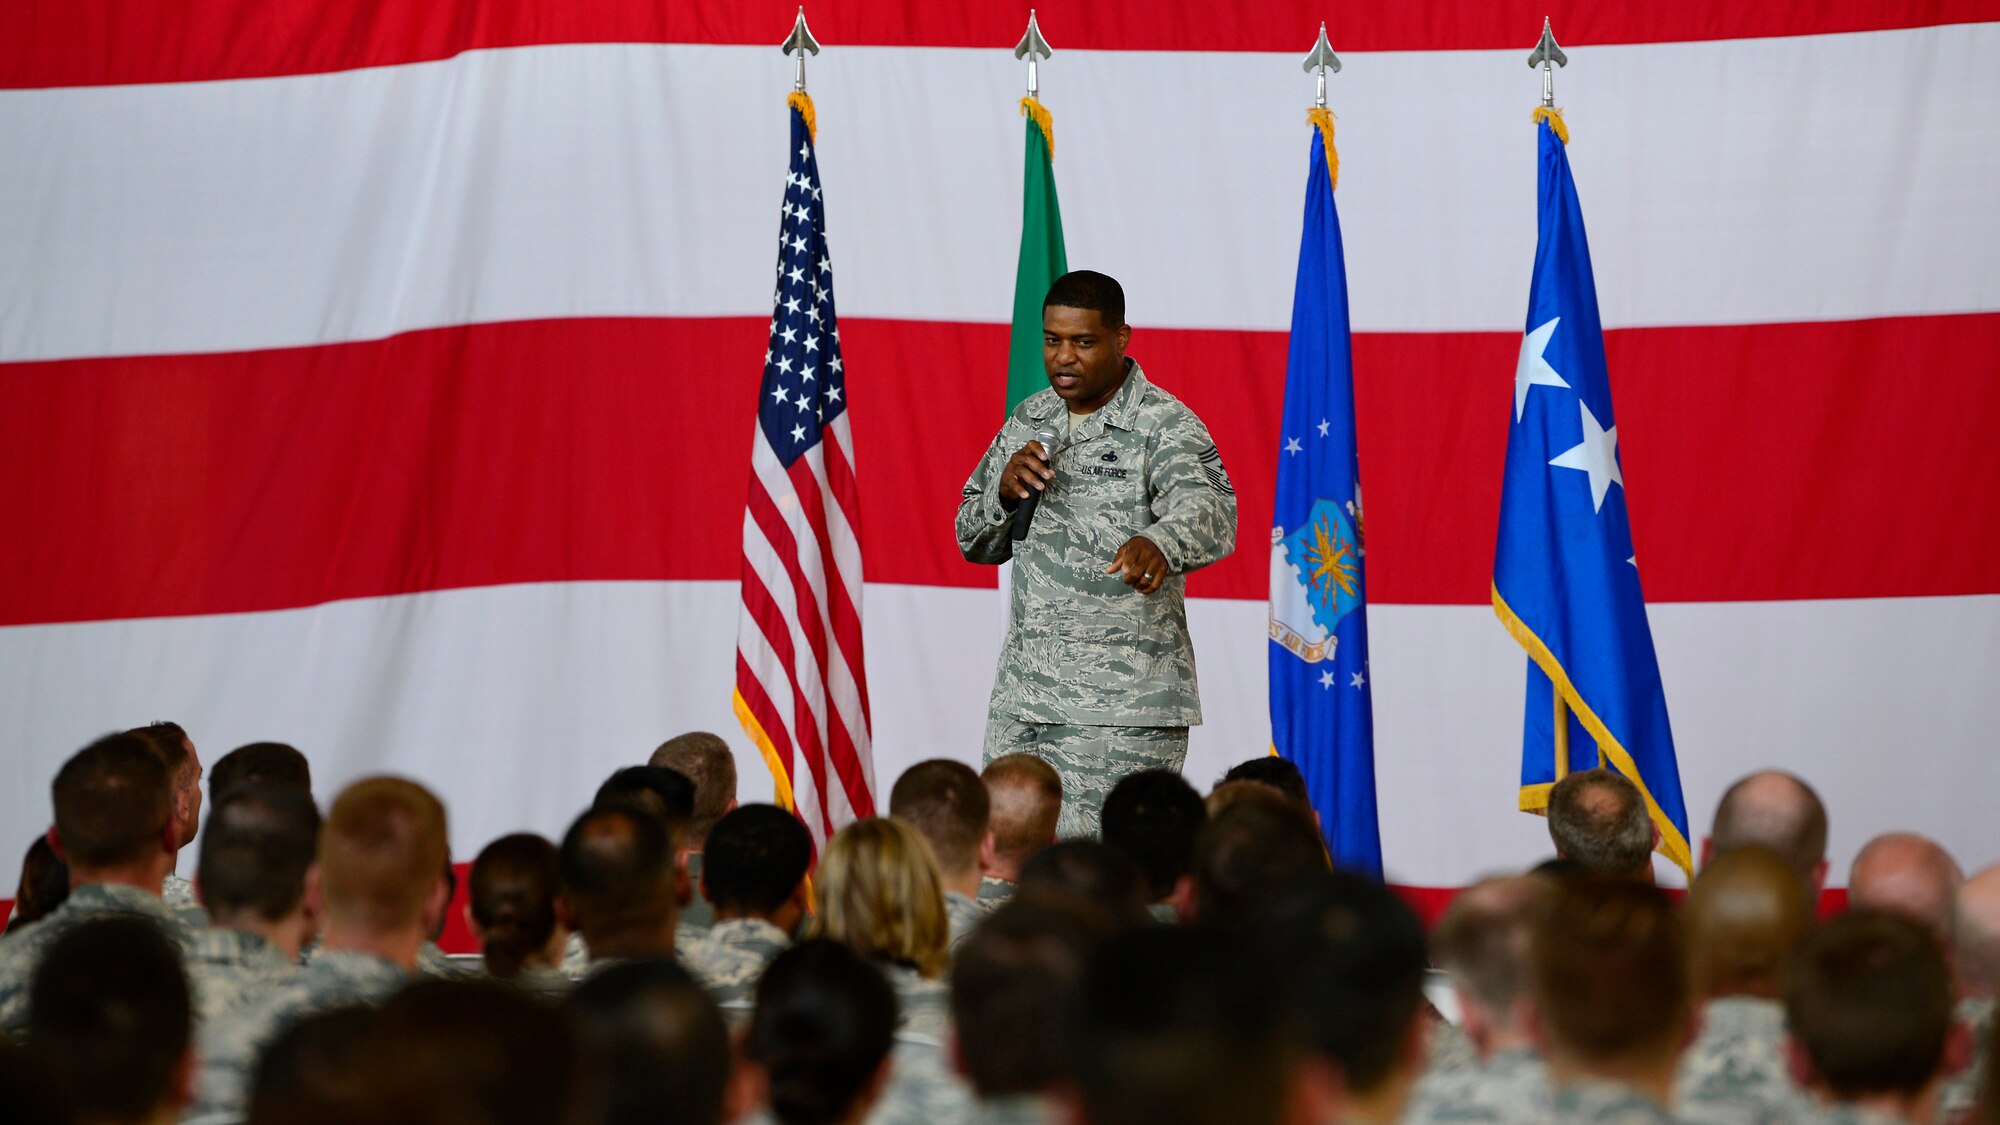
<point x="104" y="42"/>
<point x="1824" y="460"/>
<point x="804" y="724"/>
<point x="847" y="494"/>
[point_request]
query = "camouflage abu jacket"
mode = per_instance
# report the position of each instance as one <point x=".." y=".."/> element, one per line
<point x="1085" y="648"/>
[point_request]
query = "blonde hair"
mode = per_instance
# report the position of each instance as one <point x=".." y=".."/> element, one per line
<point x="382" y="852"/>
<point x="880" y="892"/>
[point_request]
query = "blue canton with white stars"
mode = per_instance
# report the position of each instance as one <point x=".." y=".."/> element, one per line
<point x="804" y="388"/>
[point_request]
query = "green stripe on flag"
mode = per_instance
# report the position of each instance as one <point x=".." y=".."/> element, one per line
<point x="1042" y="261"/>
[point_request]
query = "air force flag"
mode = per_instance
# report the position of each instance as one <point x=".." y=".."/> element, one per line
<point x="1321" y="715"/>
<point x="1565" y="576"/>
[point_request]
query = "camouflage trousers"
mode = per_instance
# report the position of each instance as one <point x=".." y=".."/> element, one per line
<point x="1090" y="760"/>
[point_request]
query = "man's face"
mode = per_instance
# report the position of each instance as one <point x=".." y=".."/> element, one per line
<point x="188" y="799"/>
<point x="1085" y="360"/>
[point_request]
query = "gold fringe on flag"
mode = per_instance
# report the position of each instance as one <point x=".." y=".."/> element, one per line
<point x="1322" y="118"/>
<point x="1031" y="108"/>
<point x="1555" y="119"/>
<point x="802" y="101"/>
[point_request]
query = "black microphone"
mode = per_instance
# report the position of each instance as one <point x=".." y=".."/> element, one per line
<point x="1024" y="512"/>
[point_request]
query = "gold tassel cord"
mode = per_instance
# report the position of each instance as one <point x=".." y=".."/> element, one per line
<point x="1039" y="113"/>
<point x="1322" y="119"/>
<point x="802" y="101"/>
<point x="1555" y="119"/>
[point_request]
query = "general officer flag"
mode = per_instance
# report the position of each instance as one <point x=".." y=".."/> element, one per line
<point x="1322" y="714"/>
<point x="1565" y="575"/>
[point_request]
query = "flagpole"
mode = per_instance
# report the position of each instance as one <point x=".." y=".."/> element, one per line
<point x="801" y="43"/>
<point x="1321" y="61"/>
<point x="1547" y="56"/>
<point x="1031" y="45"/>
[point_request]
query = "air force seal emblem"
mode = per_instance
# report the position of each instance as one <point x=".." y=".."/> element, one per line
<point x="1315" y="581"/>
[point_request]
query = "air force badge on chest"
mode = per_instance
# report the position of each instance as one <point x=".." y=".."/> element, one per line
<point x="1106" y="463"/>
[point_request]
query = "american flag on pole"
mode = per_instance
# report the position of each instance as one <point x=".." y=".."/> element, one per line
<point x="801" y="688"/>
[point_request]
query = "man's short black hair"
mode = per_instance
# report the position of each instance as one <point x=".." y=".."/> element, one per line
<point x="172" y="741"/>
<point x="254" y="854"/>
<point x="1869" y="998"/>
<point x="1249" y="855"/>
<point x="666" y="793"/>
<point x="1171" y="1025"/>
<point x="1278" y="773"/>
<point x="110" y="1018"/>
<point x="616" y="869"/>
<point x="663" y="1046"/>
<point x="825" y="1021"/>
<point x="1153" y="816"/>
<point x="1090" y="874"/>
<point x="448" y="1051"/>
<point x="944" y="800"/>
<point x="264" y="763"/>
<point x="1013" y="981"/>
<point x="1088" y="289"/>
<point x="312" y="1073"/>
<point x="1349" y="956"/>
<point x="113" y="801"/>
<point x="755" y="858"/>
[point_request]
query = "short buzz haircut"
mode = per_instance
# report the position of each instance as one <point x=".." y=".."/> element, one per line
<point x="1025" y="795"/>
<point x="1013" y="981"/>
<point x="1248" y="855"/>
<point x="664" y="793"/>
<point x="1610" y="970"/>
<point x="661" y="1043"/>
<point x="755" y="859"/>
<point x="1278" y="773"/>
<point x="1598" y="818"/>
<point x="1153" y="816"/>
<point x="172" y="740"/>
<point x="616" y="869"/>
<point x="1088" y="289"/>
<point x="113" y="802"/>
<point x="947" y="804"/>
<point x="1776" y="810"/>
<point x="705" y="760"/>
<point x="110" y="1018"/>
<point x="1483" y="938"/>
<point x="1869" y="998"/>
<point x="382" y="851"/>
<point x="262" y="763"/>
<point x="255" y="852"/>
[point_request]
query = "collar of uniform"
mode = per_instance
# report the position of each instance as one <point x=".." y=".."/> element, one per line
<point x="217" y="946"/>
<point x="737" y="931"/>
<point x="1595" y="1098"/>
<point x="117" y="898"/>
<point x="1118" y="412"/>
<point x="353" y="964"/>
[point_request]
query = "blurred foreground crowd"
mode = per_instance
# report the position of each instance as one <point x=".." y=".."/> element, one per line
<point x="678" y="957"/>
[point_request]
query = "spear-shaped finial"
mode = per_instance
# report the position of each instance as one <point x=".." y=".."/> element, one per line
<point x="1322" y="61"/>
<point x="1548" y="56"/>
<point x="1031" y="45"/>
<point x="801" y="43"/>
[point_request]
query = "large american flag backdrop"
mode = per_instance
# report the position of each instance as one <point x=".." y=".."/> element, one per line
<point x="381" y="377"/>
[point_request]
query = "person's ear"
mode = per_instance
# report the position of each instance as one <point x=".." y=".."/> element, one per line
<point x="1068" y="1105"/>
<point x="1799" y="1065"/>
<point x="1318" y="1093"/>
<point x="683" y="886"/>
<point x="472" y="925"/>
<point x="1186" y="899"/>
<point x="55" y="844"/>
<point x="170" y="836"/>
<point x="1959" y="1048"/>
<point x="1124" y="338"/>
<point x="749" y="1085"/>
<point x="1707" y="851"/>
<point x="195" y="886"/>
<point x="1818" y="883"/>
<point x="180" y="1084"/>
<point x="436" y="905"/>
<point x="1536" y="1027"/>
<point x="564" y="914"/>
<point x="1474" y="1021"/>
<point x="989" y="855"/>
<point x="954" y="1054"/>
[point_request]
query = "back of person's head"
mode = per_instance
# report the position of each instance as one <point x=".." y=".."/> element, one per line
<point x="1746" y="913"/>
<point x="1153" y="816"/>
<point x="110" y="1020"/>
<point x="756" y="857"/>
<point x="1013" y="983"/>
<point x="1170" y="1025"/>
<point x="1278" y="773"/>
<point x="261" y="763"/>
<point x="1025" y="797"/>
<point x="1349" y="958"/>
<point x="1610" y="974"/>
<point x="314" y="1072"/>
<point x="947" y="804"/>
<point x="44" y="884"/>
<point x="1088" y="289"/>
<point x="1599" y="819"/>
<point x="114" y="805"/>
<point x="1976" y="935"/>
<point x="475" y="1052"/>
<point x="1250" y="854"/>
<point x="824" y="1022"/>
<point x="666" y="794"/>
<point x="704" y="759"/>
<point x="261" y="841"/>
<point x="616" y="871"/>
<point x="380" y="854"/>
<point x="1869" y="1003"/>
<point x="880" y="892"/>
<point x="30" y="1097"/>
<point x="1904" y="873"/>
<point x="1088" y="874"/>
<point x="1775" y="810"/>
<point x="511" y="894"/>
<point x="1483" y="939"/>
<point x="665" y="1049"/>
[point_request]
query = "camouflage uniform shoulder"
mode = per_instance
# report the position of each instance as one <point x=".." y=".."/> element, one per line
<point x="922" y="1090"/>
<point x="963" y="914"/>
<point x="923" y="1006"/>
<point x="728" y="972"/>
<point x="1735" y="1069"/>
<point x="22" y="951"/>
<point x="1605" y="1103"/>
<point x="229" y="970"/>
<point x="1509" y="1088"/>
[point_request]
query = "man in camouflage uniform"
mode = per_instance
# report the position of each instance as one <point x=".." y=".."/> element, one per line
<point x="381" y="855"/>
<point x="173" y="744"/>
<point x="1482" y="942"/>
<point x="260" y="844"/>
<point x="1024" y="799"/>
<point x="1097" y="672"/>
<point x="949" y="807"/>
<point x="114" y="826"/>
<point x="755" y="876"/>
